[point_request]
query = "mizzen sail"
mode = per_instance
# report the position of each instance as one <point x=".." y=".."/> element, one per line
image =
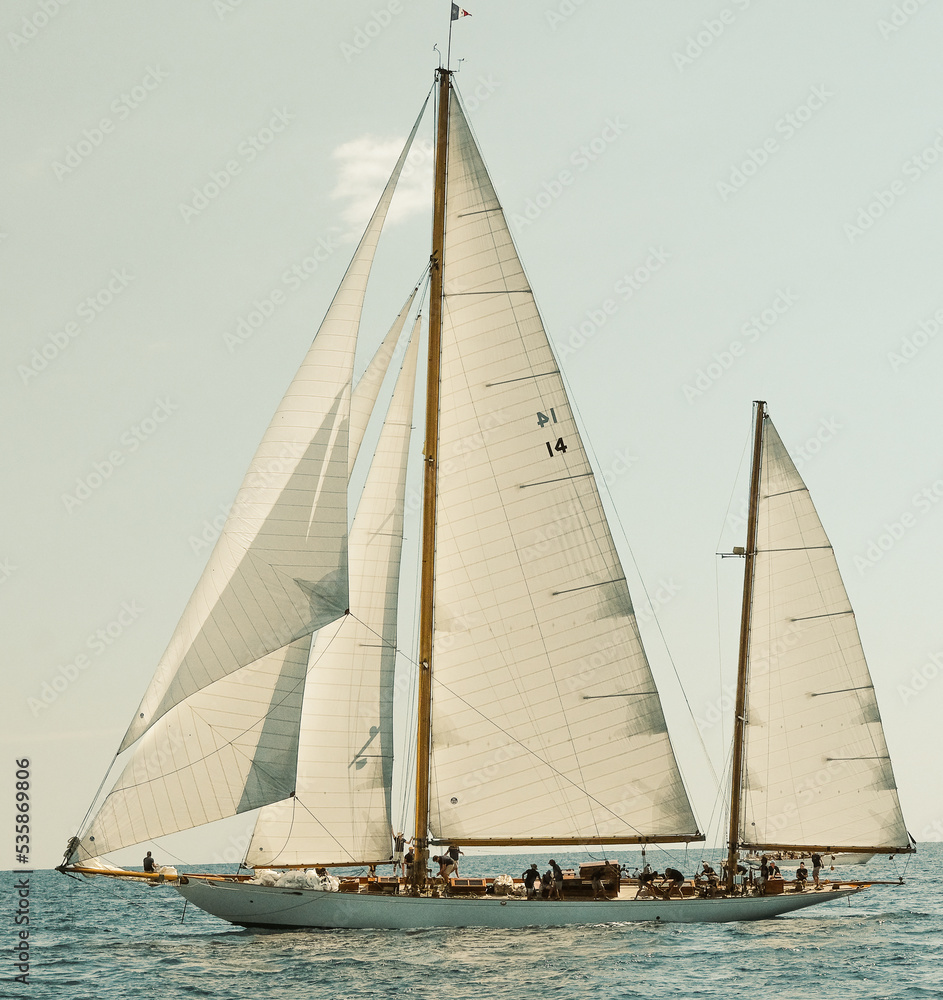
<point x="817" y="770"/>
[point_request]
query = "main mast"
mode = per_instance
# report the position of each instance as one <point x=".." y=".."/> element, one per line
<point x="736" y="782"/>
<point x="430" y="452"/>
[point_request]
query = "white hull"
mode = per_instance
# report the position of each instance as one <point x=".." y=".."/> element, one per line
<point x="271" y="906"/>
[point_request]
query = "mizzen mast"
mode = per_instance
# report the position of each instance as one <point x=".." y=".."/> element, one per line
<point x="736" y="781"/>
<point x="430" y="453"/>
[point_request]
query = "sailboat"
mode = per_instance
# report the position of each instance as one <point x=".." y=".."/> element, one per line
<point x="538" y="720"/>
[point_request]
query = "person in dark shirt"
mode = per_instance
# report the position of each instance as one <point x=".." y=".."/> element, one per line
<point x="530" y="877"/>
<point x="645" y="878"/>
<point x="454" y="853"/>
<point x="150" y="865"/>
<point x="816" y="867"/>
<point x="675" y="880"/>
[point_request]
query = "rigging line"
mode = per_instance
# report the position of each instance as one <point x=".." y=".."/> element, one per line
<point x="213" y="728"/>
<point x="533" y="753"/>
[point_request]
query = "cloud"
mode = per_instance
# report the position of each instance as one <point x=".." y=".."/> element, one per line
<point x="365" y="165"/>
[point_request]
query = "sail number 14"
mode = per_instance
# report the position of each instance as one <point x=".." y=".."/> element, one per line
<point x="542" y="420"/>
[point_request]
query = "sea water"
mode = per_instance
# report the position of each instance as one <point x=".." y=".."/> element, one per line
<point x="99" y="939"/>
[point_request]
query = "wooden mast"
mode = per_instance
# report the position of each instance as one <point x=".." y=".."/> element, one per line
<point x="430" y="452"/>
<point x="736" y="781"/>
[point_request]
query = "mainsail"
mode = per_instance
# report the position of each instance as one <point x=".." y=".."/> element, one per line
<point x="817" y="771"/>
<point x="546" y="724"/>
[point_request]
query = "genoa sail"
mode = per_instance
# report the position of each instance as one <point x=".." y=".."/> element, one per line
<point x="817" y="770"/>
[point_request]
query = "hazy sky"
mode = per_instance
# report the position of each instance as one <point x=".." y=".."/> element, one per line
<point x="716" y="202"/>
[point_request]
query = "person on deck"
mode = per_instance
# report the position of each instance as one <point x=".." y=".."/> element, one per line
<point x="557" y="891"/>
<point x="802" y="876"/>
<point x="645" y="877"/>
<point x="399" y="845"/>
<point x="150" y="865"/>
<point x="675" y="880"/>
<point x="816" y="868"/>
<point x="454" y="853"/>
<point x="531" y="877"/>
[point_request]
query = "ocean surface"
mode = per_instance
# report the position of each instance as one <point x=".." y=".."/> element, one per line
<point x="100" y="939"/>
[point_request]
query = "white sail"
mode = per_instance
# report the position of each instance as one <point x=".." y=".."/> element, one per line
<point x="229" y="748"/>
<point x="279" y="569"/>
<point x="340" y="812"/>
<point x="817" y="769"/>
<point x="367" y="389"/>
<point x="546" y="722"/>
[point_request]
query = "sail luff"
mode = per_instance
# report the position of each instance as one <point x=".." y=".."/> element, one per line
<point x="430" y="486"/>
<point x="736" y="769"/>
<point x="279" y="570"/>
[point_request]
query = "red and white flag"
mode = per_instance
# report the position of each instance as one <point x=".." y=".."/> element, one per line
<point x="458" y="12"/>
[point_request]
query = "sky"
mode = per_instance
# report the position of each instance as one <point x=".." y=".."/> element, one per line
<point x="715" y="203"/>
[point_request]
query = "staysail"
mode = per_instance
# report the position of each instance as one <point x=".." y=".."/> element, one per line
<point x="340" y="811"/>
<point x="546" y="724"/>
<point x="279" y="569"/>
<point x="817" y="770"/>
